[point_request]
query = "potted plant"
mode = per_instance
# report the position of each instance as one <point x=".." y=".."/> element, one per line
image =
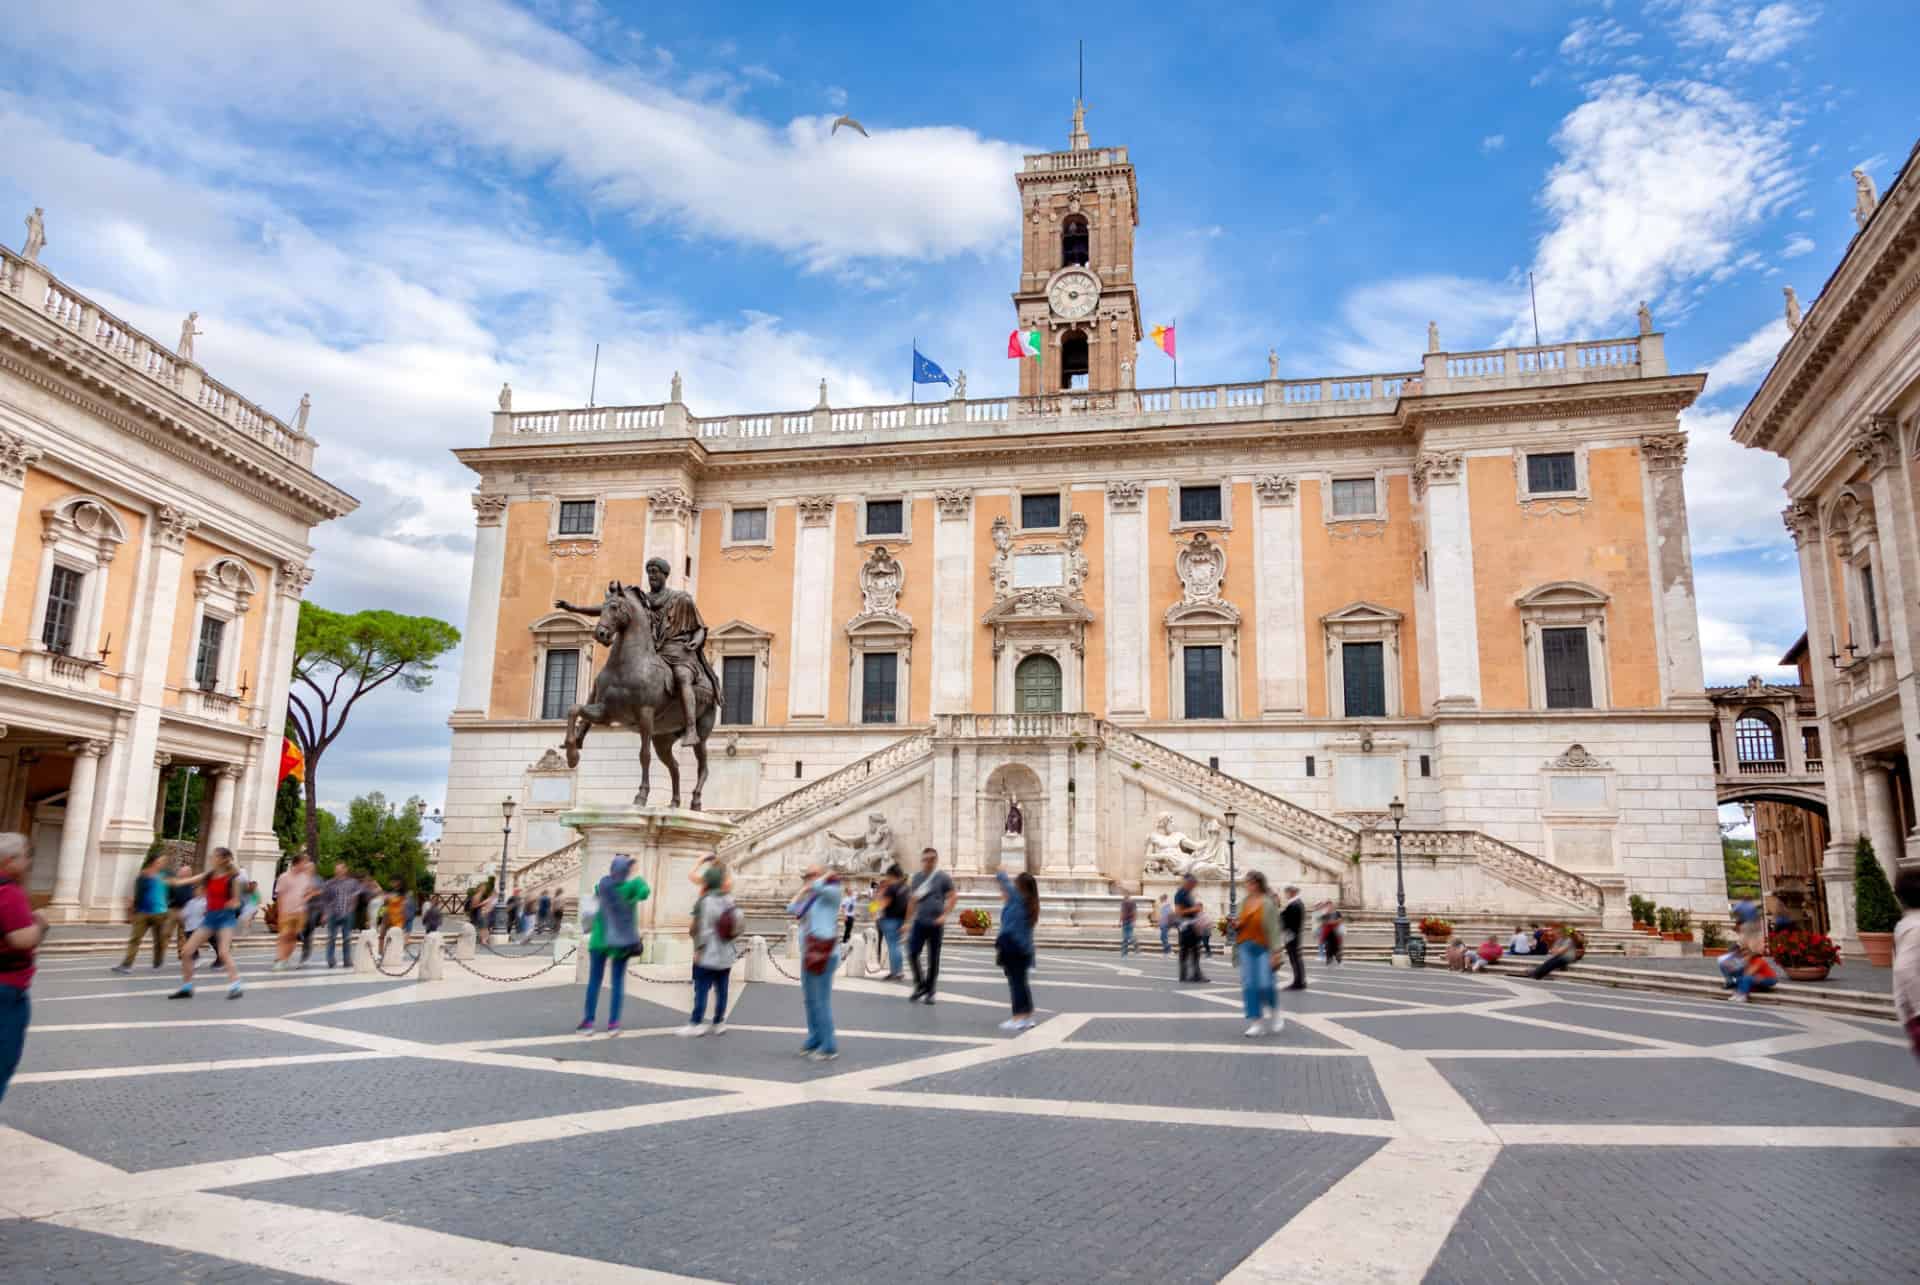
<point x="1711" y="938"/>
<point x="1875" y="912"/>
<point x="975" y="922"/>
<point x="1682" y="926"/>
<point x="1642" y="910"/>
<point x="1436" y="929"/>
<point x="1665" y="915"/>
<point x="1805" y="955"/>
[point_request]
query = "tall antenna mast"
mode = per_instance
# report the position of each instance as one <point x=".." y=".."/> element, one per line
<point x="1082" y="59"/>
<point x="594" y="386"/>
<point x="1536" y="310"/>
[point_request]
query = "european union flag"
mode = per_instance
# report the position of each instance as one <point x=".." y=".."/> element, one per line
<point x="926" y="372"/>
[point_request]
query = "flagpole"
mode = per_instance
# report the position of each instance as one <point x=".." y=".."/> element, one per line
<point x="913" y="391"/>
<point x="1175" y="328"/>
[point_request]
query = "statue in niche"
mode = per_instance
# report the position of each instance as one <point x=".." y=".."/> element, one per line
<point x="1126" y="374"/>
<point x="301" y="412"/>
<point x="880" y="581"/>
<point x="1793" y="307"/>
<point x="1865" y="198"/>
<point x="867" y="853"/>
<point x="1167" y="849"/>
<point x="36" y="236"/>
<point x="506" y="396"/>
<point x="1646" y="319"/>
<point x="187" y="331"/>
<point x="1016" y="820"/>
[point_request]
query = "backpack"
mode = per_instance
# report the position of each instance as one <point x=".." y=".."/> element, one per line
<point x="727" y="926"/>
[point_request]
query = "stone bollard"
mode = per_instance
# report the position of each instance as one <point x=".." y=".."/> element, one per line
<point x="855" y="963"/>
<point x="793" y="942"/>
<point x="467" y="942"/>
<point x="363" y="949"/>
<point x="433" y="960"/>
<point x="395" y="954"/>
<point x="757" y="960"/>
<point x="563" y="941"/>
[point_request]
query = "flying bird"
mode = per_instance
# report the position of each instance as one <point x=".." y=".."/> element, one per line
<point x="850" y="123"/>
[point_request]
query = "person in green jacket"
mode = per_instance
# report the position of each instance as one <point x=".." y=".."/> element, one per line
<point x="615" y="937"/>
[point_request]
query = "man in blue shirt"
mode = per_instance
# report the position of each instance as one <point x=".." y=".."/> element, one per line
<point x="1186" y="913"/>
<point x="147" y="913"/>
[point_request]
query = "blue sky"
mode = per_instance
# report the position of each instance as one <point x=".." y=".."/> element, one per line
<point x="396" y="204"/>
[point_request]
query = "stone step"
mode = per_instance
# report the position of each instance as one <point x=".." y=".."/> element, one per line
<point x="1851" y="1003"/>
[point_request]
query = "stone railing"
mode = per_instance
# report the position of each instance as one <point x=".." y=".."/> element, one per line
<point x="33" y="287"/>
<point x="1644" y="357"/>
<point x="1015" y="726"/>
<point x="1277" y="814"/>
<point x="562" y="864"/>
<point x="823" y="793"/>
<point x="1502" y="860"/>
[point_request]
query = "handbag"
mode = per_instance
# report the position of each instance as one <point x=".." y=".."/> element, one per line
<point x="817" y="954"/>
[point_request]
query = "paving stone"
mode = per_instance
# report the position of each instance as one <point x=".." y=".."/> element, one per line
<point x="87" y="1050"/>
<point x="1658" y="1025"/>
<point x="209" y="1001"/>
<point x="159" y="1121"/>
<point x="759" y="1054"/>
<point x="1471" y="1031"/>
<point x="509" y="1013"/>
<point x="1334" y="1086"/>
<point x="1892" y="1064"/>
<point x="1208" y="1030"/>
<point x="990" y="1197"/>
<point x="1657" y="1091"/>
<point x="1573" y="1217"/>
<point x="44" y="1252"/>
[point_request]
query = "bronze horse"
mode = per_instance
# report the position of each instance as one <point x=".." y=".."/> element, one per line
<point x="634" y="688"/>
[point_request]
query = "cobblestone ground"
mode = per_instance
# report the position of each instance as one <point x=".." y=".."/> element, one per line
<point x="1402" y="1126"/>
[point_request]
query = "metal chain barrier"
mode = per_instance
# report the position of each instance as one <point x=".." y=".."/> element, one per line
<point x="413" y="962"/>
<point x="526" y="978"/>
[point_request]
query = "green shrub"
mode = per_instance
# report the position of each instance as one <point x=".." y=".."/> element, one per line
<point x="1664" y="915"/>
<point x="1641" y="908"/>
<point x="1874" y="908"/>
<point x="1712" y="938"/>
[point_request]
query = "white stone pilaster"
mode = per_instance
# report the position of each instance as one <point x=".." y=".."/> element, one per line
<point x="1128" y="674"/>
<point x="1664" y="456"/>
<point x="17" y="455"/>
<point x="810" y="671"/>
<point x="669" y="519"/>
<point x="1456" y="624"/>
<point x="478" y="643"/>
<point x="953" y="618"/>
<point x="1876" y="441"/>
<point x="76" y="833"/>
<point x="1054" y="852"/>
<point x="1279" y="607"/>
<point x="965" y="854"/>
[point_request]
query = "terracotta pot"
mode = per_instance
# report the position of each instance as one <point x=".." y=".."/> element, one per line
<point x="975" y="930"/>
<point x="1676" y="936"/>
<point x="1810" y="974"/>
<point x="1878" y="948"/>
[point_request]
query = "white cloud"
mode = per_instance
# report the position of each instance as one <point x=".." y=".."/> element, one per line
<point x="1595" y="40"/>
<point x="1493" y="143"/>
<point x="1384" y="324"/>
<point x="1742" y="33"/>
<point x="1796" y="246"/>
<point x="1742" y="366"/>
<point x="1734" y="493"/>
<point x="1655" y="186"/>
<point x="1750" y="613"/>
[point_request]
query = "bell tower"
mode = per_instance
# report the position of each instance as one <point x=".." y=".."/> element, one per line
<point x="1078" y="210"/>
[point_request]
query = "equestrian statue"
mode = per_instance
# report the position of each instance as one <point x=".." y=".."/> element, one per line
<point x="655" y="678"/>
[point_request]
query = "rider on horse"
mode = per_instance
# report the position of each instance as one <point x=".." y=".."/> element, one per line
<point x="679" y="637"/>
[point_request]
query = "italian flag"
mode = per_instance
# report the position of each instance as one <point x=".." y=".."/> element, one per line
<point x="1024" y="343"/>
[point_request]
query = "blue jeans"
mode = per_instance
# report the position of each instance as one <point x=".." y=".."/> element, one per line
<point x="816" y="989"/>
<point x="1748" y="982"/>
<point x="597" y="967"/>
<point x="342" y="924"/>
<point x="1126" y="939"/>
<point x="1257" y="993"/>
<point x="715" y="980"/>
<point x="13" y="1031"/>
<point x="896" y="958"/>
<point x="1165" y="949"/>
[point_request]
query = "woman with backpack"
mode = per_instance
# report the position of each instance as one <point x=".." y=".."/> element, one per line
<point x="615" y="937"/>
<point x="715" y="924"/>
<point x="1013" y="948"/>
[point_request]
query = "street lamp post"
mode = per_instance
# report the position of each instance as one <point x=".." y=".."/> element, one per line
<point x="1233" y="871"/>
<point x="1398" y="811"/>
<point x="500" y="889"/>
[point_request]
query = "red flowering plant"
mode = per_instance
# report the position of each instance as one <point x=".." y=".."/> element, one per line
<point x="1799" y="948"/>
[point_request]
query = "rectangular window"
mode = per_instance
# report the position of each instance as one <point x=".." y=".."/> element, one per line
<point x="1426" y="765"/>
<point x="886" y="517"/>
<point x="562" y="686"/>
<point x="879" y="685"/>
<point x="1040" y="510"/>
<point x="1364" y="672"/>
<point x="736" y="689"/>
<point x="1205" y="696"/>
<point x="1310" y="765"/>
<point x="1552" y="471"/>
<point x="63" y="610"/>
<point x="206" y="664"/>
<point x="1569" y="678"/>
<point x="749" y="526"/>
<point x="576" y="517"/>
<point x="1199" y="504"/>
<point x="1871" y="605"/>
<point x="1353" y="497"/>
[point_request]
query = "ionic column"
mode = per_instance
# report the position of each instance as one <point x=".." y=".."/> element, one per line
<point x="1883" y="813"/>
<point x="1441" y="477"/>
<point x="220" y="826"/>
<point x="1844" y="820"/>
<point x="1664" y="455"/>
<point x="76" y="832"/>
<point x="17" y="455"/>
<point x="163" y="769"/>
<point x="953" y="623"/>
<point x="810" y="672"/>
<point x="1280" y="634"/>
<point x="483" y="607"/>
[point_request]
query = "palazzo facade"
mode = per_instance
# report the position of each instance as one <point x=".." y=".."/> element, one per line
<point x="153" y="551"/>
<point x="1465" y="585"/>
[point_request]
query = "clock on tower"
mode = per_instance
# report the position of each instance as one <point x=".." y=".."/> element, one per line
<point x="1078" y="212"/>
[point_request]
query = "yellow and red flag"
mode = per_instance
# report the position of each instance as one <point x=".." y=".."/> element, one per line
<point x="292" y="762"/>
<point x="1163" y="336"/>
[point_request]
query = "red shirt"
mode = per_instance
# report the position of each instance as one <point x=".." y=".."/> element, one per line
<point x="218" y="886"/>
<point x="16" y="966"/>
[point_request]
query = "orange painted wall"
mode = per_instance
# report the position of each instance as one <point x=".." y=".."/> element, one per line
<point x="1092" y="505"/>
<point x="1604" y="545"/>
<point x="1339" y="573"/>
<point x="985" y="509"/>
<point x="532" y="578"/>
<point x="23" y="578"/>
<point x="184" y="649"/>
<point x="757" y="589"/>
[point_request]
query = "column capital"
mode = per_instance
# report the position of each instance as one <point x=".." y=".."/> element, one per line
<point x="1873" y="439"/>
<point x="1435" y="468"/>
<point x="1802" y="522"/>
<point x="226" y="771"/>
<point x="162" y="759"/>
<point x="174" y="526"/>
<point x="1125" y="496"/>
<point x="815" y="510"/>
<point x="293" y="578"/>
<point x="17" y="455"/>
<point x="1664" y="452"/>
<point x="489" y="510"/>
<point x="669" y="504"/>
<point x="953" y="501"/>
<point x="1276" y="488"/>
<point x="87" y="749"/>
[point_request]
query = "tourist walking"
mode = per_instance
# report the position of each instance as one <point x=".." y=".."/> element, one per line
<point x="147" y="914"/>
<point x="615" y="937"/>
<point x="393" y="916"/>
<point x="932" y="895"/>
<point x="222" y="887"/>
<point x="715" y="923"/>
<point x="316" y="914"/>
<point x="1254" y="933"/>
<point x="290" y="893"/>
<point x="179" y="893"/>
<point x="893" y="917"/>
<point x="1906" y="956"/>
<point x="1013" y="948"/>
<point x="480" y="909"/>
<point x="546" y="911"/>
<point x="343" y="894"/>
<point x="848" y="909"/>
<point x="1127" y="913"/>
<point x="817" y="907"/>
<point x="1187" y="912"/>
<point x="1163" y="919"/>
<point x="21" y="930"/>
<point x="1293" y="922"/>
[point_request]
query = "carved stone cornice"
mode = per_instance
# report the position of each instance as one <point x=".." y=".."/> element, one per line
<point x="1874" y="440"/>
<point x="953" y="501"/>
<point x="1125" y="496"/>
<point x="1436" y="467"/>
<point x="1625" y="401"/>
<point x="815" y="510"/>
<point x="17" y="455"/>
<point x="669" y="504"/>
<point x="1664" y="451"/>
<point x="1276" y="488"/>
<point x="489" y="510"/>
<point x="1577" y="758"/>
<point x="172" y="527"/>
<point x="162" y="760"/>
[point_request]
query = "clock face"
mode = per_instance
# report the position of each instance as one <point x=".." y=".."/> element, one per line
<point x="1074" y="295"/>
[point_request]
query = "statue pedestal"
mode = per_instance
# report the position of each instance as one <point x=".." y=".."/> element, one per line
<point x="1013" y="853"/>
<point x="665" y="844"/>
